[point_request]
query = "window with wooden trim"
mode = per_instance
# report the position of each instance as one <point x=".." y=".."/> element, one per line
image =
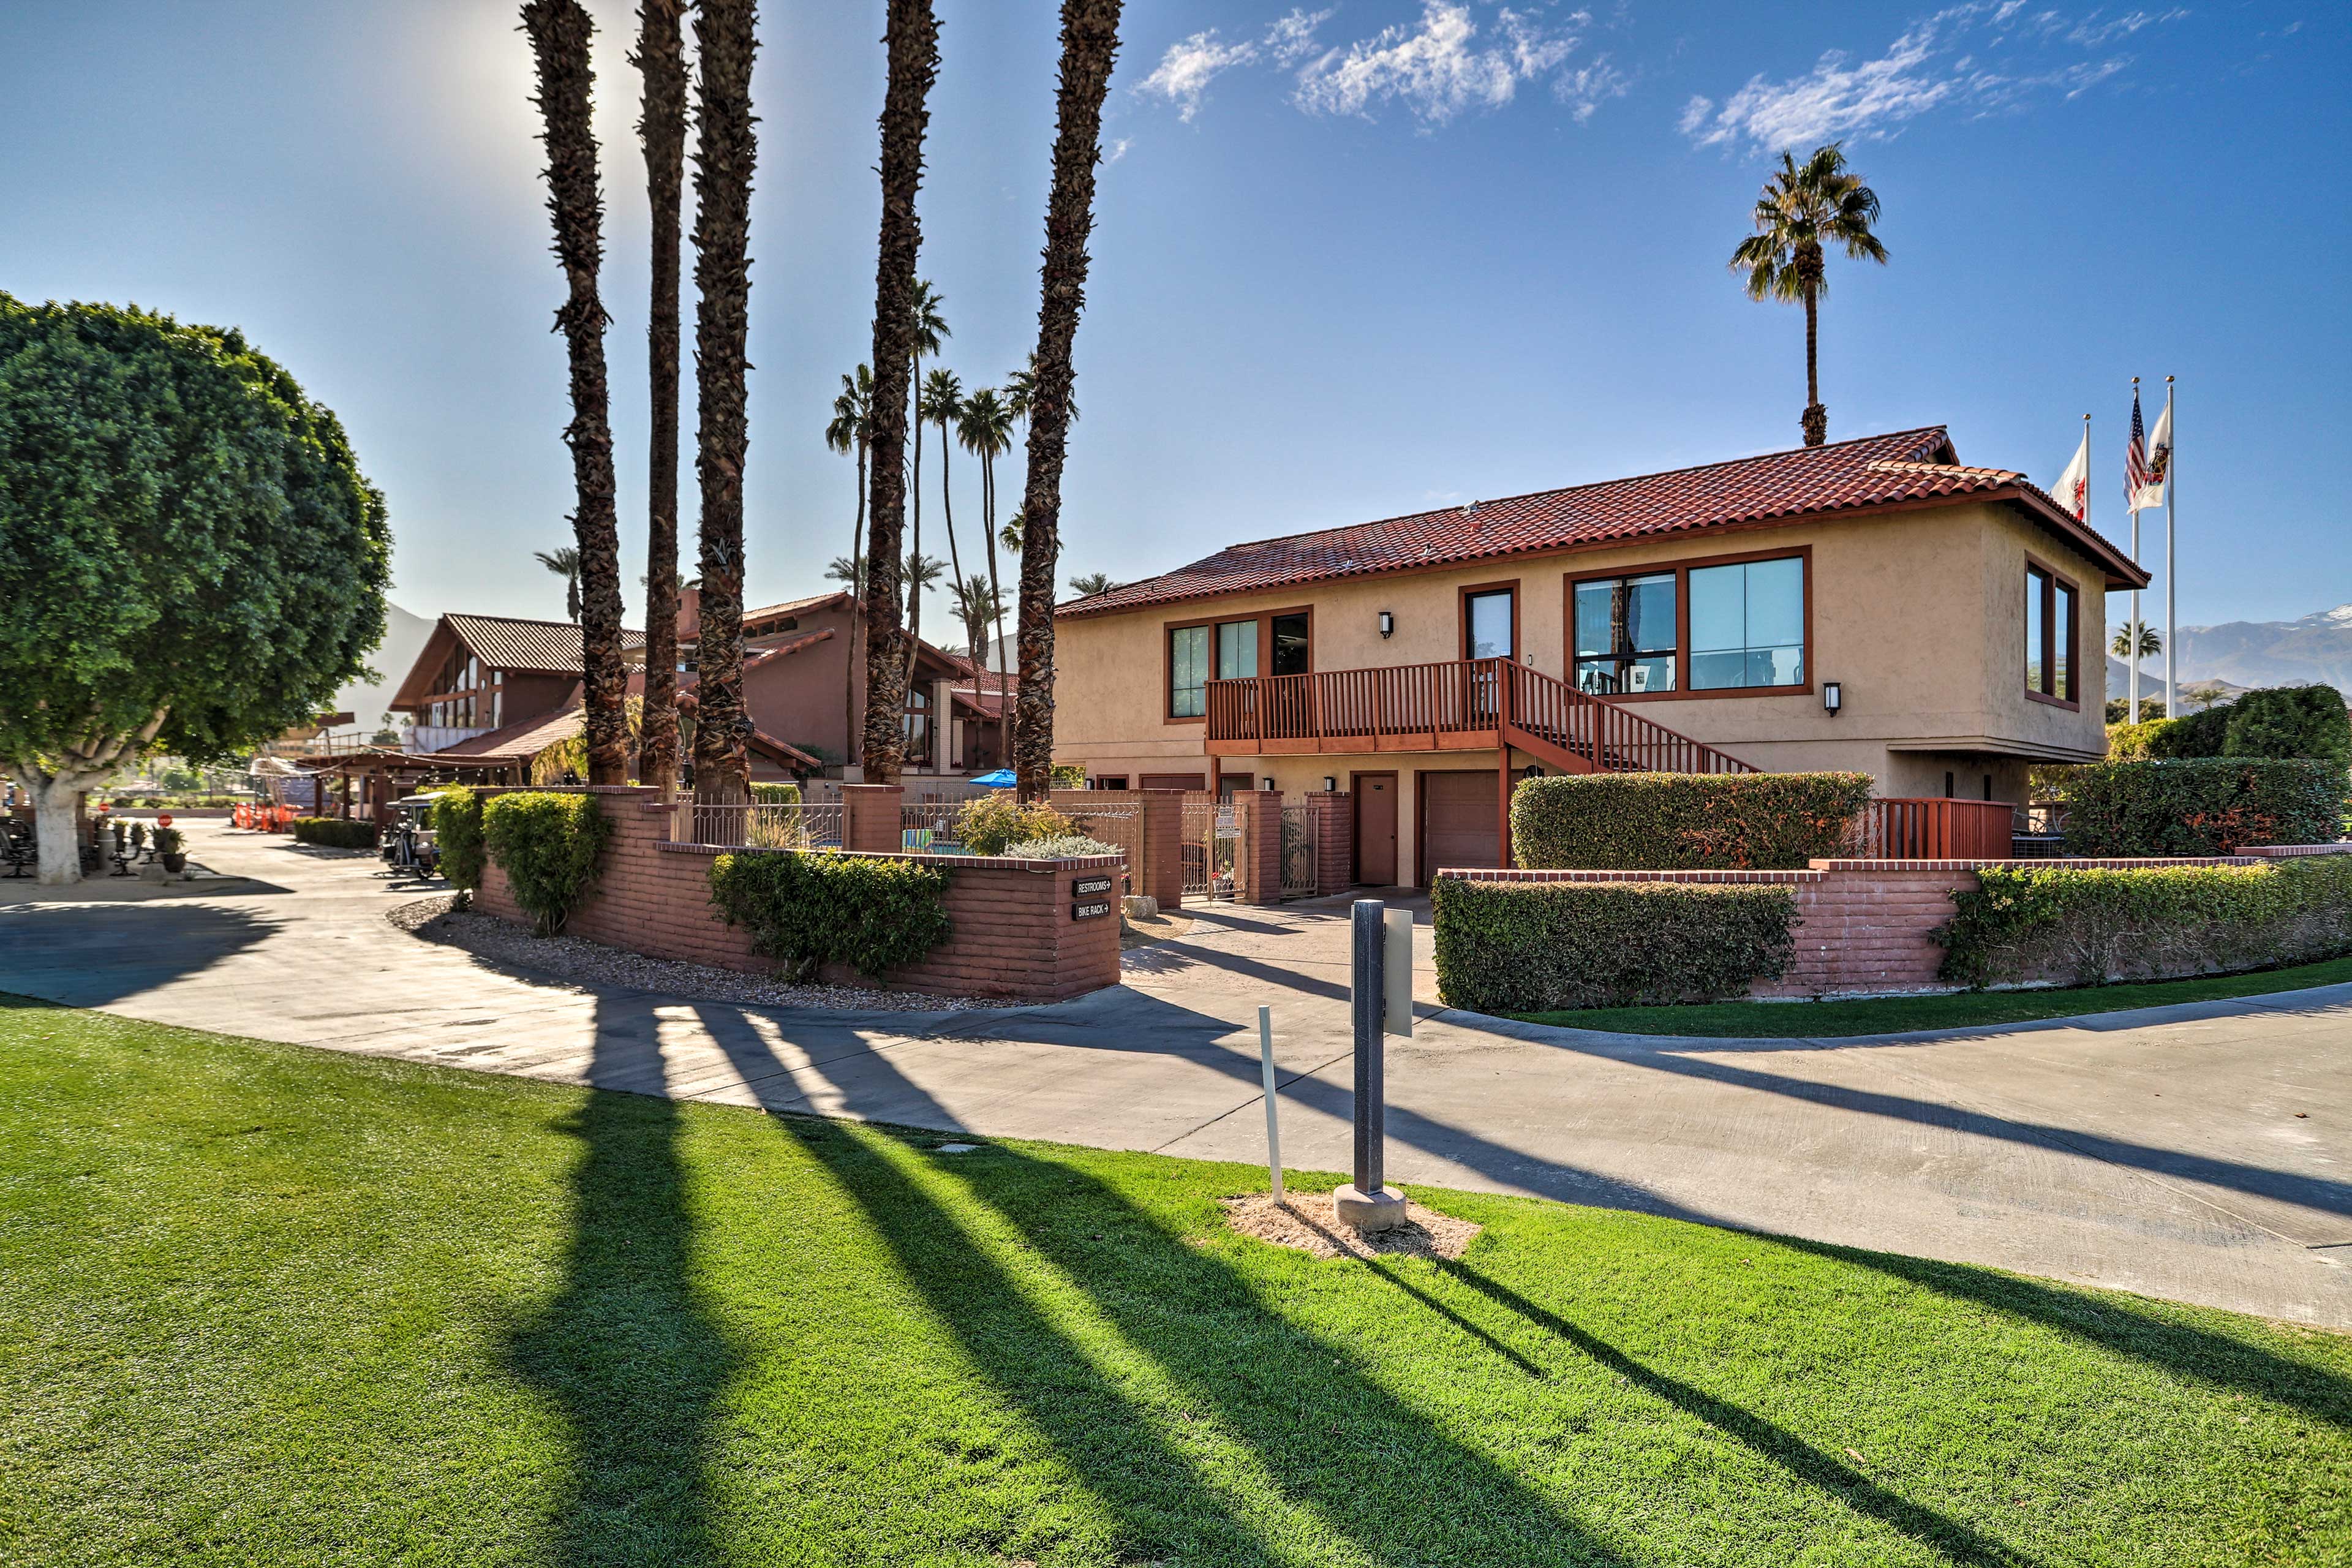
<point x="2052" y="630"/>
<point x="1625" y="634"/>
<point x="1187" y="672"/>
<point x="1747" y="624"/>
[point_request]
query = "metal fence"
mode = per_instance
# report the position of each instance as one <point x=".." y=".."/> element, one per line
<point x="1212" y="838"/>
<point x="1300" y="851"/>
<point x="763" y="826"/>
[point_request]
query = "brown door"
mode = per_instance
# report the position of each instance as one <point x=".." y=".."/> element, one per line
<point x="1376" y="829"/>
<point x="1457" y="821"/>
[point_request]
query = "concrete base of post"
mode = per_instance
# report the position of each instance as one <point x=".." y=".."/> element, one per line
<point x="1383" y="1210"/>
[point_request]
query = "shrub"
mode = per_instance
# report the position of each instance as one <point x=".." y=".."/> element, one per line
<point x="334" y="833"/>
<point x="2092" y="925"/>
<point x="1059" y="849"/>
<point x="808" y="910"/>
<point x="988" y="824"/>
<point x="2289" y="722"/>
<point x="775" y="794"/>
<point x="1683" y="821"/>
<point x="457" y="832"/>
<point x="1531" y="947"/>
<point x="2202" y="806"/>
<point x="548" y="845"/>
<point x="1068" y="776"/>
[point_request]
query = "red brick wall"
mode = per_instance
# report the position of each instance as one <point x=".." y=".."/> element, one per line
<point x="1257" y="863"/>
<point x="1014" y="937"/>
<point x="1332" y="812"/>
<point x="1862" y="925"/>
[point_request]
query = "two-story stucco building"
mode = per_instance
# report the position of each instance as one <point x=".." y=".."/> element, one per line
<point x="1872" y="606"/>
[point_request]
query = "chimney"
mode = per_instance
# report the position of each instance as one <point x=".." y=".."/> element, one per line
<point x="690" y="614"/>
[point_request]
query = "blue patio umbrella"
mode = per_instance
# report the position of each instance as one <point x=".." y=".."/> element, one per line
<point x="1000" y="779"/>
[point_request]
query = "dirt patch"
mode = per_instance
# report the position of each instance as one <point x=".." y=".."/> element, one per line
<point x="592" y="963"/>
<point x="1151" y="929"/>
<point x="1305" y="1221"/>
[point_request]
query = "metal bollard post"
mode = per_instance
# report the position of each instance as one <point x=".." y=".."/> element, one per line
<point x="1369" y="1203"/>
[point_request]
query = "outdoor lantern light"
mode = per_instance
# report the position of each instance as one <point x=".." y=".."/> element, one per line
<point x="1270" y="784"/>
<point x="1387" y="623"/>
<point x="1833" y="696"/>
<point x="1331" y="785"/>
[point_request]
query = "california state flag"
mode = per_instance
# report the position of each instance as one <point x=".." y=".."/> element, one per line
<point x="2159" y="461"/>
<point x="2072" y="490"/>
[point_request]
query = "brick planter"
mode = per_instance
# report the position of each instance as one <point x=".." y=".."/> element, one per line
<point x="1014" y="936"/>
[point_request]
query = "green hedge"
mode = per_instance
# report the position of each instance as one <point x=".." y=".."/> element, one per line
<point x="457" y="832"/>
<point x="1532" y="947"/>
<point x="548" y="845"/>
<point x="2202" y="806"/>
<point x="775" y="794"/>
<point x="808" y="910"/>
<point x="1675" y="822"/>
<point x="2276" y="722"/>
<point x="2090" y="926"/>
<point x="334" y="833"/>
<point x="989" y="825"/>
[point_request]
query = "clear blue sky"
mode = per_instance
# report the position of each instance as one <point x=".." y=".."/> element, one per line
<point x="1350" y="260"/>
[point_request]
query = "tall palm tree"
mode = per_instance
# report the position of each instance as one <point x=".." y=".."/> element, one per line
<point x="976" y="608"/>
<point x="851" y="430"/>
<point x="1089" y="46"/>
<point x="848" y="571"/>
<point x="1805" y="209"/>
<point x="2152" y="642"/>
<point x="930" y="329"/>
<point x="565" y="564"/>
<point x="1093" y="582"/>
<point x="941" y="404"/>
<point x="726" y="40"/>
<point x="561" y="36"/>
<point x="911" y="38"/>
<point x="660" y="59"/>
<point x="986" y="431"/>
<point x="1010" y="535"/>
<point x="1021" y="386"/>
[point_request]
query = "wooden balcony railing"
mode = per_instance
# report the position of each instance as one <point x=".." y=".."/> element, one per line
<point x="1934" y="829"/>
<point x="1459" y="705"/>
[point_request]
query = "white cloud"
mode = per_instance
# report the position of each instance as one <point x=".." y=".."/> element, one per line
<point x="1585" y="90"/>
<point x="1923" y="70"/>
<point x="1186" y="69"/>
<point x="1292" y="39"/>
<point x="1435" y="69"/>
<point x="1119" y="149"/>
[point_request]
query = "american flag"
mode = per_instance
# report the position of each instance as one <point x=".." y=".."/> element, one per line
<point x="2136" y="474"/>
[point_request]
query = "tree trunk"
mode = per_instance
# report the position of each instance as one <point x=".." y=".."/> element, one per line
<point x="856" y="587"/>
<point x="53" y="826"/>
<point x="913" y="40"/>
<point x="947" y="521"/>
<point x="726" y="39"/>
<point x="661" y="59"/>
<point x="996" y="603"/>
<point x="1089" y="44"/>
<point x="1817" y="418"/>
<point x="915" y="506"/>
<point x="560" y="33"/>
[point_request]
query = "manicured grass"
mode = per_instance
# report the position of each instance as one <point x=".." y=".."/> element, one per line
<point x="1966" y="1009"/>
<point x="265" y="1305"/>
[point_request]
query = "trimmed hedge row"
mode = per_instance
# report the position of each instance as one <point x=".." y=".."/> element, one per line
<point x="458" y="831"/>
<point x="2090" y="926"/>
<point x="1532" y="947"/>
<point x="2202" y="806"/>
<point x="1684" y="822"/>
<point x="334" y="833"/>
<point x="808" y="910"/>
<point x="548" y="845"/>
<point x="2276" y="722"/>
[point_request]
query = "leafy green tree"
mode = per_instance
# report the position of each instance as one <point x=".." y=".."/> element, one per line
<point x="2290" y="721"/>
<point x="189" y="556"/>
<point x="1803" y="209"/>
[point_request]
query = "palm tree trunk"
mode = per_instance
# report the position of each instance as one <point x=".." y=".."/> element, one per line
<point x="560" y="33"/>
<point x="915" y="502"/>
<point x="912" y="37"/>
<point x="1817" y="418"/>
<point x="661" y="59"/>
<point x="726" y="38"/>
<point x="858" y="597"/>
<point x="1089" y="46"/>
<point x="947" y="516"/>
<point x="996" y="603"/>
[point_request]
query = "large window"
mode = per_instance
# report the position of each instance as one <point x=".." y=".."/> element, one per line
<point x="1187" y="672"/>
<point x="1236" y="650"/>
<point x="1624" y="634"/>
<point x="1490" y="624"/>
<point x="1747" y="624"/>
<point x="2051" y="632"/>
<point x="1290" y="636"/>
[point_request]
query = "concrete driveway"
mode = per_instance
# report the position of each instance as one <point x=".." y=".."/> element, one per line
<point x="2196" y="1153"/>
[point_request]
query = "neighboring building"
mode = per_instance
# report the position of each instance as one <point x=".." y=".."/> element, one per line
<point x="1696" y="620"/>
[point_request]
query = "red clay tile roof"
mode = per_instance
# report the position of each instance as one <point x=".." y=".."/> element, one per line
<point x="807" y="640"/>
<point x="1904" y="466"/>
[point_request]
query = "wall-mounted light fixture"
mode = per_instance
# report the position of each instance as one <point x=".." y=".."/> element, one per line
<point x="1832" y="697"/>
<point x="1270" y="784"/>
<point x="1388" y="624"/>
<point x="1331" y="785"/>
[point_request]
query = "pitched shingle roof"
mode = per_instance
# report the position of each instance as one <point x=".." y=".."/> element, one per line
<point x="516" y="743"/>
<point x="1904" y="466"/>
<point x="503" y="643"/>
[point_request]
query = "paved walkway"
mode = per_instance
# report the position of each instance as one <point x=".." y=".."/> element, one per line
<point x="2197" y="1153"/>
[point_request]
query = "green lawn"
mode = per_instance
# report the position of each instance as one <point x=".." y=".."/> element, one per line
<point x="262" y="1305"/>
<point x="1966" y="1009"/>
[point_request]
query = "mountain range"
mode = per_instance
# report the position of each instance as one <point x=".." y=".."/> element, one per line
<point x="2316" y="648"/>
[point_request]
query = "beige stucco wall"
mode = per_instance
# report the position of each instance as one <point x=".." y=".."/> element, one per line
<point x="1918" y="614"/>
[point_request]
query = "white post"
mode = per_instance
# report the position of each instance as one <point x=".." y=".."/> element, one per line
<point x="1265" y="1072"/>
<point x="2171" y="578"/>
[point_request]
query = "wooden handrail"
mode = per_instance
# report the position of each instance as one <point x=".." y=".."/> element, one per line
<point x="1425" y="702"/>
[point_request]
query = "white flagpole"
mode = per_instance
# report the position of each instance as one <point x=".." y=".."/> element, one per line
<point x="2171" y="599"/>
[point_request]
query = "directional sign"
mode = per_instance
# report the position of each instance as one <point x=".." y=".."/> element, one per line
<point x="1089" y="912"/>
<point x="1085" y="885"/>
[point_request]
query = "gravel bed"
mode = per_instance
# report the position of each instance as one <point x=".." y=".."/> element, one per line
<point x="589" y="964"/>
